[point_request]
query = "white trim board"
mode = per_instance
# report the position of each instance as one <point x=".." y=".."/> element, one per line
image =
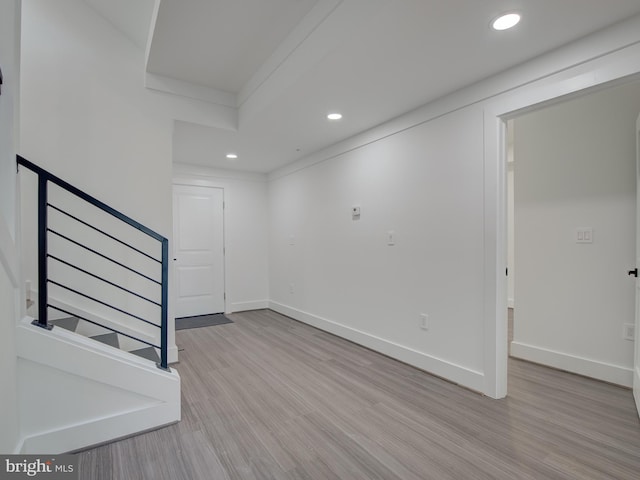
<point x="247" y="306"/>
<point x="636" y="385"/>
<point x="466" y="377"/>
<point x="186" y="174"/>
<point x="572" y="363"/>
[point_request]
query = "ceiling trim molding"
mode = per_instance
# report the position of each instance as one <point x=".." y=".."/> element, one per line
<point x="183" y="172"/>
<point x="181" y="88"/>
<point x="318" y="14"/>
<point x="152" y="29"/>
<point x="327" y="26"/>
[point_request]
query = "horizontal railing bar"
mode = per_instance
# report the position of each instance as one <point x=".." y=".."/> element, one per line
<point x="103" y="256"/>
<point x="104" y="280"/>
<point x="104" y="233"/>
<point x="103" y="303"/>
<point x="88" y="198"/>
<point x="104" y="326"/>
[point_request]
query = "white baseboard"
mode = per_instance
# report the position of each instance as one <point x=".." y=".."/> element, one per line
<point x="466" y="377"/>
<point x="571" y="363"/>
<point x="636" y="387"/>
<point x="115" y="426"/>
<point x="246" y="306"/>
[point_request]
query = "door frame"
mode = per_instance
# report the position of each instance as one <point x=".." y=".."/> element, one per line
<point x="636" y="353"/>
<point x="182" y="181"/>
<point x="601" y="72"/>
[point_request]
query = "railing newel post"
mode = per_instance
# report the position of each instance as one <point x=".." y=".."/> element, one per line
<point x="43" y="278"/>
<point x="163" y="301"/>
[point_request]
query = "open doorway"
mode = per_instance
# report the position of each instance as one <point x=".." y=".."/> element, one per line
<point x="571" y="194"/>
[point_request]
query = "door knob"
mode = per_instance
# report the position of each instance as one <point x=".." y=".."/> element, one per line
<point x="633" y="272"/>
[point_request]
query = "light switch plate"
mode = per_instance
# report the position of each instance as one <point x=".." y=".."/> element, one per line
<point x="584" y="235"/>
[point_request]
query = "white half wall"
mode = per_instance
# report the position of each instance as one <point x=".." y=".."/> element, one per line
<point x="245" y="229"/>
<point x="75" y="392"/>
<point x="575" y="166"/>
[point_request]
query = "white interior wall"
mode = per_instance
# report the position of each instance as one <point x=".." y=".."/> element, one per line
<point x="575" y="167"/>
<point x="245" y="228"/>
<point x="86" y="116"/>
<point x="426" y="186"/>
<point x="9" y="268"/>
<point x="382" y="292"/>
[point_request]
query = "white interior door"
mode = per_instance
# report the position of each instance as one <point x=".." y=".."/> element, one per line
<point x="636" y="355"/>
<point x="198" y="250"/>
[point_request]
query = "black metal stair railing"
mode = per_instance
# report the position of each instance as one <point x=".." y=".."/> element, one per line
<point x="158" y="283"/>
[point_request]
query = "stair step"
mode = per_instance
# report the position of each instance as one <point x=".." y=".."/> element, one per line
<point x="69" y="323"/>
<point x="149" y="353"/>
<point x="110" y="339"/>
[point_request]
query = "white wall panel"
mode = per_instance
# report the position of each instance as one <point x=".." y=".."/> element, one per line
<point x="426" y="185"/>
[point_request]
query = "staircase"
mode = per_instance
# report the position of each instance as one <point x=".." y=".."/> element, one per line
<point x="76" y="325"/>
<point x="96" y="354"/>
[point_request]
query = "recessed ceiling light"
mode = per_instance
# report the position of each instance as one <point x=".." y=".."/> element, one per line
<point x="334" y="116"/>
<point x="232" y="156"/>
<point x="506" y="21"/>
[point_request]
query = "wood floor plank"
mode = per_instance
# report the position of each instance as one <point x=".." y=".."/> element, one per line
<point x="267" y="397"/>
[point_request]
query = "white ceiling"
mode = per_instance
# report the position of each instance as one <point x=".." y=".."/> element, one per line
<point x="131" y="17"/>
<point x="287" y="63"/>
<point x="222" y="43"/>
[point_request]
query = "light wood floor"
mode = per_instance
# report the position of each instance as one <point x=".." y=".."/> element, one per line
<point x="270" y="398"/>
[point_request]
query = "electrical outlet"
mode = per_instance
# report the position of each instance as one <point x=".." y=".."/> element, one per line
<point x="292" y="288"/>
<point x="629" y="332"/>
<point x="424" y="321"/>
